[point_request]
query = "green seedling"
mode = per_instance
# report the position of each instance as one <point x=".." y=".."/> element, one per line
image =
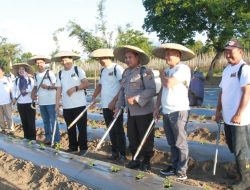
<point x="206" y="187"/>
<point x="203" y="142"/>
<point x="91" y="164"/>
<point x="57" y="147"/>
<point x="140" y="176"/>
<point x="42" y="146"/>
<point x="30" y="142"/>
<point x="167" y="183"/>
<point x="115" y="169"/>
<point x="157" y="134"/>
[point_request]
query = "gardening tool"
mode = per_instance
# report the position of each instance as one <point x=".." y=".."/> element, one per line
<point x="80" y="115"/>
<point x="54" y="132"/>
<point x="150" y="128"/>
<point x="217" y="146"/>
<point x="108" y="130"/>
<point x="33" y="104"/>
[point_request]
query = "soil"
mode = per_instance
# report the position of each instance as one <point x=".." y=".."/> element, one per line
<point x="199" y="173"/>
<point x="32" y="177"/>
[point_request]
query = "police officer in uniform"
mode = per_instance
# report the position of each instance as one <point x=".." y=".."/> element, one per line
<point x="137" y="92"/>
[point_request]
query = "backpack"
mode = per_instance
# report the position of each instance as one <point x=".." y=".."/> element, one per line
<point x="115" y="72"/>
<point x="196" y="89"/>
<point x="77" y="73"/>
<point x="29" y="81"/>
<point x="240" y="71"/>
<point x="47" y="76"/>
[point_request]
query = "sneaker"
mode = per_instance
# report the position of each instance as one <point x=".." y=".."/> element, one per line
<point x="145" y="167"/>
<point x="71" y="150"/>
<point x="122" y="158"/>
<point x="133" y="164"/>
<point x="114" y="156"/>
<point x="169" y="171"/>
<point x="181" y="176"/>
<point x="82" y="152"/>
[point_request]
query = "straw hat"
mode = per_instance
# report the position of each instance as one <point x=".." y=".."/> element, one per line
<point x="119" y="53"/>
<point x="58" y="56"/>
<point x="27" y="67"/>
<point x="102" y="53"/>
<point x="186" y="54"/>
<point x="33" y="59"/>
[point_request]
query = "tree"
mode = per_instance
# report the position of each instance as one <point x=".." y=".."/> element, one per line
<point x="24" y="57"/>
<point x="179" y="21"/>
<point x="129" y="36"/>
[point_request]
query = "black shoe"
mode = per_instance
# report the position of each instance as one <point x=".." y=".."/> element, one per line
<point x="122" y="158"/>
<point x="169" y="171"/>
<point x="133" y="164"/>
<point x="82" y="152"/>
<point x="71" y="150"/>
<point x="114" y="156"/>
<point x="145" y="167"/>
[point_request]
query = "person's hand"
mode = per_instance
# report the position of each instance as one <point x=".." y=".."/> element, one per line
<point x="116" y="112"/>
<point x="131" y="100"/>
<point x="44" y="86"/>
<point x="236" y="119"/>
<point x="34" y="96"/>
<point x="94" y="101"/>
<point x="111" y="105"/>
<point x="218" y="116"/>
<point x="57" y="109"/>
<point x="156" y="114"/>
<point x="14" y="101"/>
<point x="71" y="91"/>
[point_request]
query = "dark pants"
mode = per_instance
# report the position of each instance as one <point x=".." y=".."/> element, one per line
<point x="28" y="116"/>
<point x="69" y="116"/>
<point x="175" y="128"/>
<point x="137" y="127"/>
<point x="117" y="135"/>
<point x="238" y="141"/>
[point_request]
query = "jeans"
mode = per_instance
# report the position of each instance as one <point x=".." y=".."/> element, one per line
<point x="175" y="129"/>
<point x="49" y="117"/>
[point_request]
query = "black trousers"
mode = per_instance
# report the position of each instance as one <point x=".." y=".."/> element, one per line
<point x="137" y="127"/>
<point x="69" y="116"/>
<point x="116" y="134"/>
<point x="28" y="116"/>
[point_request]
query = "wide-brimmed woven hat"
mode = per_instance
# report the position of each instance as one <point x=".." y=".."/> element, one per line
<point x="58" y="57"/>
<point x="33" y="59"/>
<point x="105" y="52"/>
<point x="119" y="53"/>
<point x="27" y="67"/>
<point x="186" y="54"/>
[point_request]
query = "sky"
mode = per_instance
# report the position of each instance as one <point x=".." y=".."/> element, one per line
<point x="31" y="23"/>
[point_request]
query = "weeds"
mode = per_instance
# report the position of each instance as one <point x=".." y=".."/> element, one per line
<point x="140" y="175"/>
<point x="115" y="169"/>
<point x="167" y="183"/>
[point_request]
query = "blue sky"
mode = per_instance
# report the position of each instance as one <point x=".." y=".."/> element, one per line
<point x="32" y="22"/>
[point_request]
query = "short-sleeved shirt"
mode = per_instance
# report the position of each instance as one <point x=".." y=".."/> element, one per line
<point x="68" y="80"/>
<point x="110" y="83"/>
<point x="176" y="98"/>
<point x="5" y="90"/>
<point x="231" y="92"/>
<point x="26" y="99"/>
<point x="46" y="97"/>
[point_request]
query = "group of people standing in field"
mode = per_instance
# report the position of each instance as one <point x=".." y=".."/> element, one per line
<point x="134" y="89"/>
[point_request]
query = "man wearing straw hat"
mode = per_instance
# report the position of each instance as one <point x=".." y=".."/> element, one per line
<point x="71" y="82"/>
<point x="234" y="106"/>
<point x="137" y="92"/>
<point x="22" y="95"/>
<point x="46" y="95"/>
<point x="6" y="88"/>
<point x="109" y="86"/>
<point x="173" y="99"/>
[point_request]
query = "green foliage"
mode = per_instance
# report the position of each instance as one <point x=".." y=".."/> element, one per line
<point x="115" y="169"/>
<point x="167" y="183"/>
<point x="91" y="164"/>
<point x="129" y="36"/>
<point x="140" y="175"/>
<point x="42" y="146"/>
<point x="179" y="21"/>
<point x="24" y="57"/>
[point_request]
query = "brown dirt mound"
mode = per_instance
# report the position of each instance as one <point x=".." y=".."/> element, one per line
<point x="19" y="174"/>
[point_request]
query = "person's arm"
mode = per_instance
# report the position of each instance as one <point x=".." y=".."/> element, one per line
<point x="218" y="115"/>
<point x="34" y="93"/>
<point x="243" y="103"/>
<point x="58" y="98"/>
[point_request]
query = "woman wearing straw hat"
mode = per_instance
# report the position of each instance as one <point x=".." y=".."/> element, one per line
<point x="22" y="95"/>
<point x="173" y="99"/>
<point x="109" y="86"/>
<point x="45" y="80"/>
<point x="137" y="92"/>
<point x="71" y="82"/>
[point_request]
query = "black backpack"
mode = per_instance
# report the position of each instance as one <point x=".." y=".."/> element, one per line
<point x="77" y="73"/>
<point x="115" y="72"/>
<point x="47" y="76"/>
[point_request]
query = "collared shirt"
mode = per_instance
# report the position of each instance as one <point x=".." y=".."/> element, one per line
<point x="132" y="86"/>
<point x="231" y="92"/>
<point x="176" y="98"/>
<point x="5" y="90"/>
<point x="27" y="98"/>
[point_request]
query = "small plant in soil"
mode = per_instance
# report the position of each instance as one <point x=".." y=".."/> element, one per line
<point x="206" y="187"/>
<point x="91" y="164"/>
<point x="157" y="134"/>
<point x="203" y="142"/>
<point x="57" y="147"/>
<point x="42" y="146"/>
<point x="115" y="169"/>
<point x="167" y="183"/>
<point x="202" y="118"/>
<point x="30" y="142"/>
<point x="140" y="176"/>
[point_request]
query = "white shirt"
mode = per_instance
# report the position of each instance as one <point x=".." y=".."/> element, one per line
<point x="5" y="90"/>
<point x="110" y="83"/>
<point x="68" y="80"/>
<point x="46" y="97"/>
<point x="27" y="98"/>
<point x="232" y="93"/>
<point x="176" y="98"/>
